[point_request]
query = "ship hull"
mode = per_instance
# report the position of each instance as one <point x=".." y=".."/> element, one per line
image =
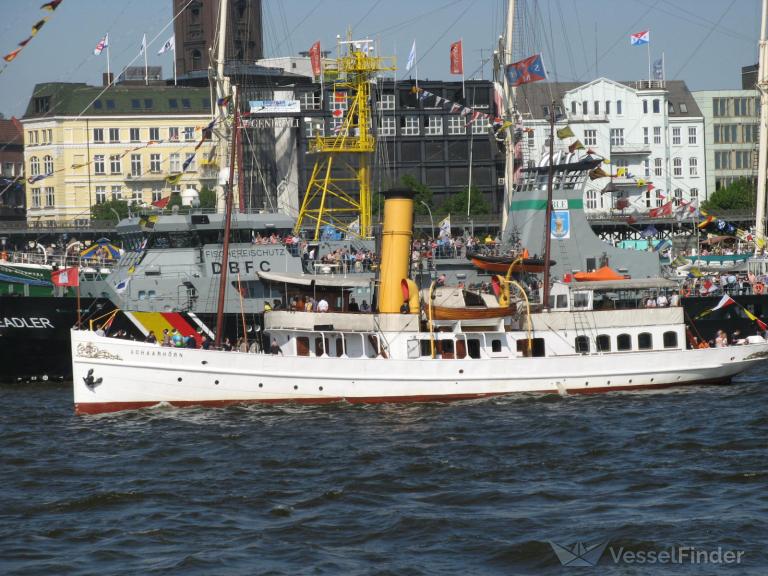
<point x="112" y="375"/>
<point x="34" y="336"/>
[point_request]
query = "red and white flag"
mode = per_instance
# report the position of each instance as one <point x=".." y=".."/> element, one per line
<point x="457" y="58"/>
<point x="66" y="277"/>
<point x="314" y="58"/>
<point x="725" y="301"/>
<point x="640" y="38"/>
<point x="103" y="43"/>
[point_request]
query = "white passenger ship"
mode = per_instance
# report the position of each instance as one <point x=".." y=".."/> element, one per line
<point x="589" y="339"/>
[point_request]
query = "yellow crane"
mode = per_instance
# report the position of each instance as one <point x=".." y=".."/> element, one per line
<point x="330" y="198"/>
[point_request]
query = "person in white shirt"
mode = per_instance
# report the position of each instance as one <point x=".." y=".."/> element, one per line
<point x="661" y="301"/>
<point x="322" y="306"/>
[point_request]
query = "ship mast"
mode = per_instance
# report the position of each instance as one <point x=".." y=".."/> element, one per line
<point x="222" y="86"/>
<point x="762" y="161"/>
<point x="548" y="213"/>
<point x="511" y="113"/>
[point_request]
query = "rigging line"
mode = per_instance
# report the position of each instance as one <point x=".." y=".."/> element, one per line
<point x="371" y="9"/>
<point x="695" y="51"/>
<point x="416" y="18"/>
<point x="628" y="30"/>
<point x="569" y="51"/>
<point x="447" y="29"/>
<point x="705" y="23"/>
<point x="112" y="83"/>
<point x="581" y="39"/>
<point x="298" y="25"/>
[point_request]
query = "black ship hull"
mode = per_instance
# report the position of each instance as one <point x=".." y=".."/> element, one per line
<point x="34" y="336"/>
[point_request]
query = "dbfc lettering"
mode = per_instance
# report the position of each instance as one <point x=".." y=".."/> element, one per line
<point x="246" y="267"/>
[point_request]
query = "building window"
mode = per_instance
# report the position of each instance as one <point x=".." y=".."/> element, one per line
<point x="722" y="160"/>
<point x="173" y="134"/>
<point x="607" y="107"/>
<point x="743" y="160"/>
<point x="691" y="134"/>
<point x="157" y="194"/>
<point x="617" y="136"/>
<point x="646" y="137"/>
<point x="456" y="126"/>
<point x="98" y="134"/>
<point x="98" y="164"/>
<point x="115" y="166"/>
<point x="35" y="197"/>
<point x="657" y="166"/>
<point x="137" y="195"/>
<point x="592" y="199"/>
<point x="50" y="197"/>
<point x="135" y="103"/>
<point x="719" y="107"/>
<point x="676" y="135"/>
<point x="670" y="108"/>
<point x="309" y="100"/>
<point x="314" y="126"/>
<point x="154" y="163"/>
<point x="678" y="196"/>
<point x="101" y="194"/>
<point x="189" y="162"/>
<point x="590" y="137"/>
<point x="693" y="166"/>
<point x="114" y="134"/>
<point x="410" y="126"/>
<point x="596" y="107"/>
<point x="189" y="133"/>
<point x="154" y="134"/>
<point x="387" y="102"/>
<point x="135" y="134"/>
<point x="34" y="166"/>
<point x="48" y="165"/>
<point x="647" y="168"/>
<point x="618" y="107"/>
<point x="693" y="194"/>
<point x="186" y="103"/>
<point x="197" y="59"/>
<point x="740" y="107"/>
<point x="645" y="106"/>
<point x="174" y="162"/>
<point x="573" y="107"/>
<point x="585" y="107"/>
<point x="434" y="126"/>
<point x="480" y="125"/>
<point x="117" y="192"/>
<point x="657" y="134"/>
<point x="135" y="164"/>
<point x="656" y="106"/>
<point x="648" y="199"/>
<point x="683" y="108"/>
<point x="677" y="167"/>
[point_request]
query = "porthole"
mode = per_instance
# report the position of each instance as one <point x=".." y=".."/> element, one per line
<point x="261" y="385"/>
<point x="216" y="382"/>
<point x="295" y="387"/>
<point x="321" y="388"/>
<point x="204" y="362"/>
<point x="179" y="378"/>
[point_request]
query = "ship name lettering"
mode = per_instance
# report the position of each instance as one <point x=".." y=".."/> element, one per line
<point x="260" y="252"/>
<point x="30" y="322"/>
<point x="237" y="267"/>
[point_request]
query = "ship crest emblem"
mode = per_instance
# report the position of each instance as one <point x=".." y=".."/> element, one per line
<point x="91" y="351"/>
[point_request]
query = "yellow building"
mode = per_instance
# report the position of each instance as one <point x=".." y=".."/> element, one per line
<point x="84" y="145"/>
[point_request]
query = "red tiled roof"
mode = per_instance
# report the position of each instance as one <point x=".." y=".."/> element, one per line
<point x="10" y="132"/>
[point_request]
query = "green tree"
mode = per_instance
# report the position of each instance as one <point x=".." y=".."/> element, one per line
<point x="457" y="203"/>
<point x="423" y="193"/>
<point x="106" y="210"/>
<point x="207" y="198"/>
<point x="739" y="195"/>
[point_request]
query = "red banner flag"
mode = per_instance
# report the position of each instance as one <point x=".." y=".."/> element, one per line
<point x="162" y="203"/>
<point x="314" y="57"/>
<point x="66" y="277"/>
<point x="457" y="58"/>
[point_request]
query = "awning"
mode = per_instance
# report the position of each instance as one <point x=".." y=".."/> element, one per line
<point x="326" y="280"/>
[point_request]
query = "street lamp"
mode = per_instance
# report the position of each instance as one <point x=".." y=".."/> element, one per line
<point x="430" y="217"/>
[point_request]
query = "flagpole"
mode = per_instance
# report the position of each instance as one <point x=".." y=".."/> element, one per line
<point x="146" y="71"/>
<point x="463" y="87"/>
<point x="648" y="45"/>
<point x="174" y="62"/>
<point x="109" y="79"/>
<point x="77" y="293"/>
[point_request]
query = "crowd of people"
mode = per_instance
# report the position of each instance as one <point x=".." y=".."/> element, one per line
<point x="174" y="339"/>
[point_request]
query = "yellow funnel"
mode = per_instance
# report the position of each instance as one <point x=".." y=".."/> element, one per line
<point x="395" y="249"/>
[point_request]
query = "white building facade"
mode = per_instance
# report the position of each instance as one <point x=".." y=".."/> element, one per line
<point x="649" y="134"/>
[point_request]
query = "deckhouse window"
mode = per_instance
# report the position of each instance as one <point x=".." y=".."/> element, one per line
<point x="670" y="339"/>
<point x="603" y="342"/>
<point x="644" y="341"/>
<point x="495" y="345"/>
<point x="624" y="342"/>
<point x="580" y="300"/>
<point x="582" y="344"/>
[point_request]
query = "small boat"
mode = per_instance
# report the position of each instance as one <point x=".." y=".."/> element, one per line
<point x="501" y="264"/>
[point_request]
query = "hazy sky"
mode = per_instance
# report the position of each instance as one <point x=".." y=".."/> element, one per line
<point x="705" y="41"/>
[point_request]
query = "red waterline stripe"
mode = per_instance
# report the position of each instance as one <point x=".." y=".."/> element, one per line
<point x="103" y="407"/>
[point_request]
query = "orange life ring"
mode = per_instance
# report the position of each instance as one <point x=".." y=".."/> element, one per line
<point x="4" y="256"/>
<point x="685" y="292"/>
<point x="758" y="288"/>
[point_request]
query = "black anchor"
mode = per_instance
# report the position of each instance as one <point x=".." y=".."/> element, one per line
<point x="90" y="381"/>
